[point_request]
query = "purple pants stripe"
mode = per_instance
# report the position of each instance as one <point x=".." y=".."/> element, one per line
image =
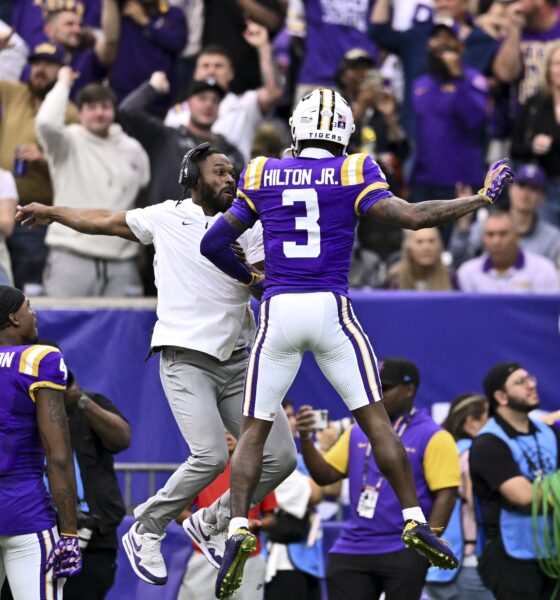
<point x="372" y="355"/>
<point x="250" y="392"/>
<point x="43" y="576"/>
<point x="361" y="359"/>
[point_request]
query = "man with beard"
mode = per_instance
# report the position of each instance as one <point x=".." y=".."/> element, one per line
<point x="21" y="155"/>
<point x="93" y="162"/>
<point x="510" y="452"/>
<point x="203" y="330"/>
<point x="450" y="111"/>
<point x="35" y="554"/>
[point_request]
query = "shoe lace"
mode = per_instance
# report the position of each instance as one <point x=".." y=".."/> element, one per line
<point x="151" y="544"/>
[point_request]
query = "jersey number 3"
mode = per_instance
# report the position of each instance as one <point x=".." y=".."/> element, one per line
<point x="309" y="223"/>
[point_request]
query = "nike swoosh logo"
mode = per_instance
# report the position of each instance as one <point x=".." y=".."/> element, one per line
<point x="133" y="542"/>
<point x="185" y="223"/>
<point x="199" y="530"/>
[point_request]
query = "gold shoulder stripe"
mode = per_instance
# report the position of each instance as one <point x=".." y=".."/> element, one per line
<point x="379" y="185"/>
<point x="344" y="170"/>
<point x="31" y="358"/>
<point x="360" y="168"/>
<point x="42" y="385"/>
<point x="23" y="358"/>
<point x="243" y="196"/>
<point x="352" y="171"/>
<point x="253" y="173"/>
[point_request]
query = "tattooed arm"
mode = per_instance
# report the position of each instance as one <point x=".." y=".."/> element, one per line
<point x="435" y="212"/>
<point x="423" y="214"/>
<point x="53" y="428"/>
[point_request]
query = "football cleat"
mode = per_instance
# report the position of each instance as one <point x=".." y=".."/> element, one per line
<point x="238" y="549"/>
<point x="422" y="538"/>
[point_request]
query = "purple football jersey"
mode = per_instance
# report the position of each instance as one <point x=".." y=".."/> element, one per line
<point x="25" y="503"/>
<point x="308" y="208"/>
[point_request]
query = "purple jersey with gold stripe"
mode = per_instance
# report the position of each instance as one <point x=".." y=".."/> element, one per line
<point x="25" y="505"/>
<point x="308" y="208"/>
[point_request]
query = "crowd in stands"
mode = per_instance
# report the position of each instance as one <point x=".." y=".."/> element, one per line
<point x="100" y="99"/>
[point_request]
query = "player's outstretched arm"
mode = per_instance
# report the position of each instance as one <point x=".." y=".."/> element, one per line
<point x="90" y="221"/>
<point x="53" y="429"/>
<point x="435" y="212"/>
<point x="430" y="213"/>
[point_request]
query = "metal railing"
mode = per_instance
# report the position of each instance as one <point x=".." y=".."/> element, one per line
<point x="152" y="469"/>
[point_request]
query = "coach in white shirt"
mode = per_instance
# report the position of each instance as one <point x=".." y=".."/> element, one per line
<point x="239" y="115"/>
<point x="505" y="267"/>
<point x="203" y="329"/>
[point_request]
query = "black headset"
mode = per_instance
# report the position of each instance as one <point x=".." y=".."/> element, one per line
<point x="188" y="175"/>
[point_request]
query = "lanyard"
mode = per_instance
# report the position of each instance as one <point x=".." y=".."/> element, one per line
<point x="539" y="471"/>
<point x="399" y="427"/>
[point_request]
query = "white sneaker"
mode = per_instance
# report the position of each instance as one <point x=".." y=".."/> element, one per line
<point x="144" y="555"/>
<point x="211" y="541"/>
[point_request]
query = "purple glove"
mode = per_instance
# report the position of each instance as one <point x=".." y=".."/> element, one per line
<point x="65" y="558"/>
<point x="496" y="178"/>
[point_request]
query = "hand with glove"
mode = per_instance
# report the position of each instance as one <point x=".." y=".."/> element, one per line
<point x="65" y="558"/>
<point x="496" y="178"/>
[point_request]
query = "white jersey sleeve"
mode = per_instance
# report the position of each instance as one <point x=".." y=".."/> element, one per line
<point x="142" y="222"/>
<point x="252" y="243"/>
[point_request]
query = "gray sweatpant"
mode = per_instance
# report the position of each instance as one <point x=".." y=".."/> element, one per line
<point x="205" y="395"/>
<point x="68" y="274"/>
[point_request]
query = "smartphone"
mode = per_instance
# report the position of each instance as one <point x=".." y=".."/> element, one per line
<point x="321" y="419"/>
<point x="373" y="77"/>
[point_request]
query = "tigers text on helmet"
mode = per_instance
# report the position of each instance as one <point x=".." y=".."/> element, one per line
<point x="322" y="114"/>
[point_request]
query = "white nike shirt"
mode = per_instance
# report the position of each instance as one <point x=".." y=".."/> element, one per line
<point x="199" y="307"/>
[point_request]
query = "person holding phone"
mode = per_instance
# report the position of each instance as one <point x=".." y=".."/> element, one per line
<point x="369" y="556"/>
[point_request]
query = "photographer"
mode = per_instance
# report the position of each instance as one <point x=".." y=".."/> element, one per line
<point x="97" y="431"/>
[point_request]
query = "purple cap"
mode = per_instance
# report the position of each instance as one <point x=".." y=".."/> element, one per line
<point x="531" y="175"/>
<point x="48" y="51"/>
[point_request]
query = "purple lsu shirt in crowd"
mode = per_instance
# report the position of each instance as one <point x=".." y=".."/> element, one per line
<point x="25" y="503"/>
<point x="382" y="534"/>
<point x="308" y="208"/>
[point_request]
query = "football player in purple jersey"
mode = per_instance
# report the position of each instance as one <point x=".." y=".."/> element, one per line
<point x="34" y="554"/>
<point x="308" y="206"/>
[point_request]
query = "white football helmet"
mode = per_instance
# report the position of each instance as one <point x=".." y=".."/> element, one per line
<point x="322" y="114"/>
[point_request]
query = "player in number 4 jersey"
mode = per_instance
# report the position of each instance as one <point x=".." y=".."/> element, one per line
<point x="309" y="206"/>
<point x="33" y="425"/>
